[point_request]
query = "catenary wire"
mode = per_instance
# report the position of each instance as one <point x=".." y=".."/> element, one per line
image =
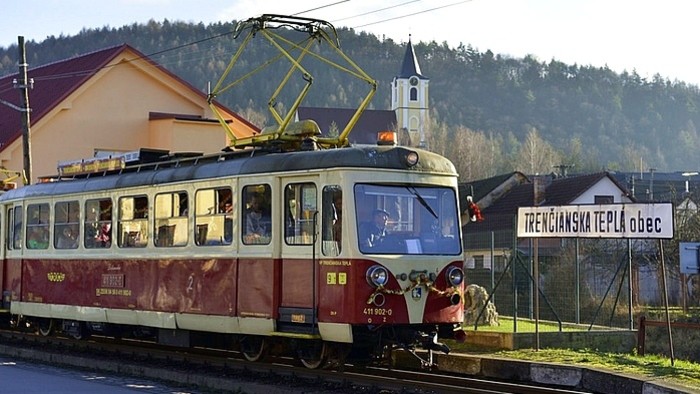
<point x="150" y="55"/>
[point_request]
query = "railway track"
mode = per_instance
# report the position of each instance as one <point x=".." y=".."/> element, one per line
<point x="215" y="370"/>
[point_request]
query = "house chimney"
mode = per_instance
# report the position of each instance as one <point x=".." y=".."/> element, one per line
<point x="539" y="185"/>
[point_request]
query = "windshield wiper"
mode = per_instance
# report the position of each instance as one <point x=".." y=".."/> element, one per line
<point x="421" y="200"/>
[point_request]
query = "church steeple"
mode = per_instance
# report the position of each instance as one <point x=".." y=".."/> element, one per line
<point x="410" y="64"/>
<point x="409" y="99"/>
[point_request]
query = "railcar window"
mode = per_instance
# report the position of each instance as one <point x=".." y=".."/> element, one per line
<point x="14" y="228"/>
<point x="407" y="220"/>
<point x="66" y="225"/>
<point x="133" y="222"/>
<point x="38" y="226"/>
<point x="213" y="216"/>
<point x="98" y="223"/>
<point x="332" y="228"/>
<point x="171" y="219"/>
<point x="300" y="208"/>
<point x="257" y="222"/>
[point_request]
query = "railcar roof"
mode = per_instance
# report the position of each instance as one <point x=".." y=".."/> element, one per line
<point x="240" y="163"/>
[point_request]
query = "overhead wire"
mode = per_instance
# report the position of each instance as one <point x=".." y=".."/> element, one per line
<point x="150" y="55"/>
<point x="413" y="14"/>
<point x="321" y="7"/>
<point x="375" y="11"/>
<point x="145" y="56"/>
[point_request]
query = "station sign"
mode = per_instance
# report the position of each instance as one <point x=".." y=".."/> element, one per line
<point x="633" y="221"/>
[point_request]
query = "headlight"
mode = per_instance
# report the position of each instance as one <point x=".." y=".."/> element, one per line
<point x="455" y="276"/>
<point x="411" y="158"/>
<point x="377" y="276"/>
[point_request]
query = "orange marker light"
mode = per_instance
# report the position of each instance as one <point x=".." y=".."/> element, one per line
<point x="386" y="138"/>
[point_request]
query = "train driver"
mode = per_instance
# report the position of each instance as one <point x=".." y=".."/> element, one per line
<point x="372" y="234"/>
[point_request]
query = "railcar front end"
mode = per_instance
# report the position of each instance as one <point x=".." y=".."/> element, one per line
<point x="402" y="290"/>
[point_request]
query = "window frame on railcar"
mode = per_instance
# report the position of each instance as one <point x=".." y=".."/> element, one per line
<point x="421" y="219"/>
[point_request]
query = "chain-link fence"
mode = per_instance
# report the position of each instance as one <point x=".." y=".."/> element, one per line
<point x="588" y="282"/>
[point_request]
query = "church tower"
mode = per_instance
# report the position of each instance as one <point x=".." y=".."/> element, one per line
<point x="409" y="99"/>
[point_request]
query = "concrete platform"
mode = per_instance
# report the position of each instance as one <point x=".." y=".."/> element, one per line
<point x="567" y="376"/>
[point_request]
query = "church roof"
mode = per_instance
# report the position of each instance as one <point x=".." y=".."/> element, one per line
<point x="410" y="66"/>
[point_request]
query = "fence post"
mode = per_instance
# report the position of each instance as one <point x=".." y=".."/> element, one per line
<point x="641" y="335"/>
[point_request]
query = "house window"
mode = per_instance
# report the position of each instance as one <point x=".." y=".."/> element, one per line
<point x="499" y="263"/>
<point x="479" y="262"/>
<point x="414" y="94"/>
<point x="604" y="199"/>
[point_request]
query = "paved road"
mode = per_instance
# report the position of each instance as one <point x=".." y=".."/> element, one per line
<point x="18" y="376"/>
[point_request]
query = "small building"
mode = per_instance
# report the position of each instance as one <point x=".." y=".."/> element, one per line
<point x="500" y="197"/>
<point x="109" y="101"/>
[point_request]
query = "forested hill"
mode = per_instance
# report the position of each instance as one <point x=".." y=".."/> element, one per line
<point x="592" y="117"/>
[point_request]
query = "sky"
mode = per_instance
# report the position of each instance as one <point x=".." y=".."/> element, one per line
<point x="645" y="36"/>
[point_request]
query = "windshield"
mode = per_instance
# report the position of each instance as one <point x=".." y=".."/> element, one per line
<point x="407" y="220"/>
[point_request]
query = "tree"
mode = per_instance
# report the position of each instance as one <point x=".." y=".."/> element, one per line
<point x="253" y="116"/>
<point x="475" y="154"/>
<point x="536" y="156"/>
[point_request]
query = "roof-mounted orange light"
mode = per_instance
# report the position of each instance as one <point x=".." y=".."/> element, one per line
<point x="386" y="137"/>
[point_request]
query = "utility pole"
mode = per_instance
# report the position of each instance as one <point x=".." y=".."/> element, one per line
<point x="651" y="184"/>
<point x="23" y="86"/>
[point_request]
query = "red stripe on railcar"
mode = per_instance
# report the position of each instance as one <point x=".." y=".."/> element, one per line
<point x="12" y="279"/>
<point x="184" y="286"/>
<point x="297" y="280"/>
<point x="258" y="294"/>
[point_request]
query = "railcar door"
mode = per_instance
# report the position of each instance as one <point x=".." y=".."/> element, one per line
<point x="299" y="247"/>
<point x="3" y="247"/>
<point x="258" y="263"/>
<point x="12" y="225"/>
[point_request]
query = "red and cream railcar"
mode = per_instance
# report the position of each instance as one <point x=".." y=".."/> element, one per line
<point x="261" y="247"/>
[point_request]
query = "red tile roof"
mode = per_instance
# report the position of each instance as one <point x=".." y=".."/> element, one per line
<point x="52" y="84"/>
<point x="55" y="81"/>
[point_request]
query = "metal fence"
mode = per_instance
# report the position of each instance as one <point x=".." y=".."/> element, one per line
<point x="588" y="282"/>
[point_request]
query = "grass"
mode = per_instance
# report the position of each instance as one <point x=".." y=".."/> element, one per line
<point x="650" y="367"/>
<point x="524" y="325"/>
<point x="682" y="373"/>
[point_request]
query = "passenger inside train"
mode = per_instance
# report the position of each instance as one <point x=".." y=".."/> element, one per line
<point x="257" y="224"/>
